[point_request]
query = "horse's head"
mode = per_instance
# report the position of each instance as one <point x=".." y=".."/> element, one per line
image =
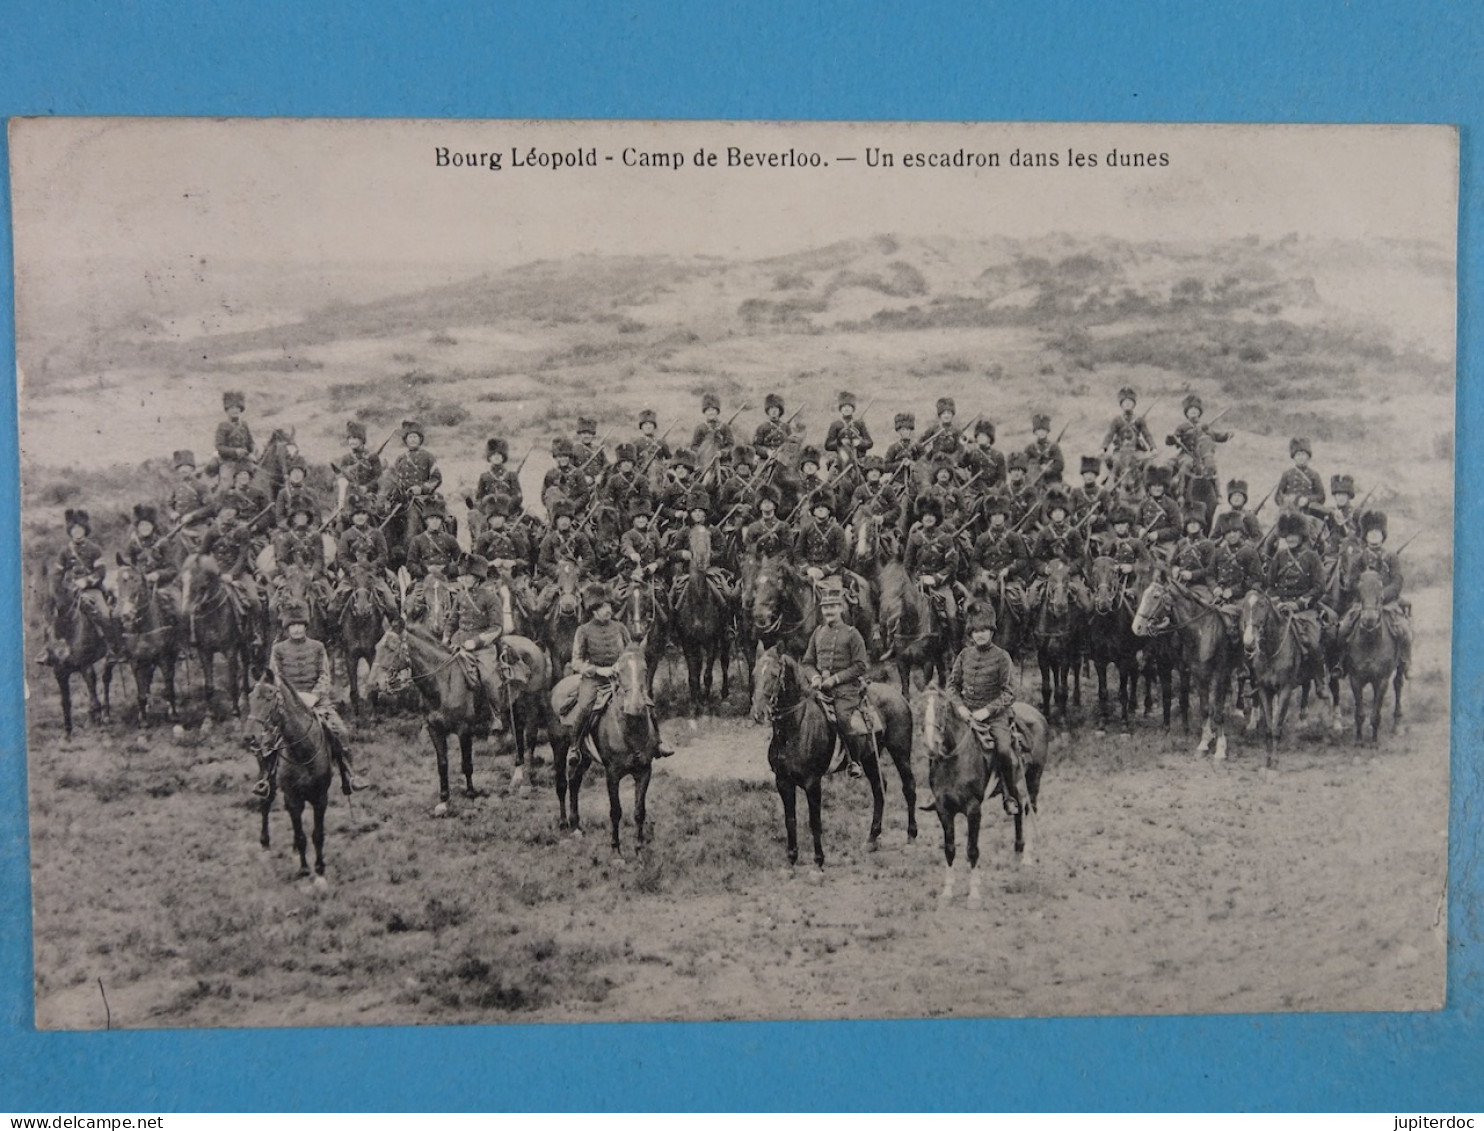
<point x="1058" y="590"/>
<point x="1154" y="606"/>
<point x="632" y="680"/>
<point x="769" y="590"/>
<point x="1257" y="612"/>
<point x="895" y="609"/>
<point x="391" y="669"/>
<point x="1368" y="590"/>
<point x="568" y="587"/>
<point x="767" y="681"/>
<point x="934" y="702"/>
<point x="130" y="594"/>
<point x="263" y="727"/>
<point x="1106" y="583"/>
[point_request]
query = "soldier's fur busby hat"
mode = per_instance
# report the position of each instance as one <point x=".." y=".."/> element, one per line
<point x="845" y="398"/>
<point x="1190" y="401"/>
<point x="234" y="399"/>
<point x="647" y="416"/>
<point x="1342" y="485"/>
<point x="945" y="404"/>
<point x="354" y="429"/>
<point x="146" y="512"/>
<point x="903" y="420"/>
<point x="743" y="453"/>
<point x="1156" y="474"/>
<point x="561" y="446"/>
<point x="498" y="503"/>
<point x="710" y="400"/>
<point x="1056" y="496"/>
<point x="625" y="452"/>
<point x="302" y="504"/>
<point x="293" y="463"/>
<point x="981" y="617"/>
<point x="561" y="507"/>
<point x="873" y="463"/>
<point x="772" y="401"/>
<point x="698" y="501"/>
<point x="640" y="507"/>
<point x="1017" y="460"/>
<point x="433" y="508"/>
<point x="183" y="457"/>
<point x="1040" y="422"/>
<point x="1126" y="393"/>
<point x="595" y="593"/>
<point x="941" y="467"/>
<point x="984" y="427"/>
<point x="1237" y="487"/>
<point x="357" y="503"/>
<point x="240" y="502"/>
<point x="1291" y="522"/>
<point x="77" y="517"/>
<point x="1299" y="444"/>
<point x="1226" y="522"/>
<point x="411" y="426"/>
<point x="685" y="458"/>
<point x="767" y="493"/>
<point x="995" y="503"/>
<point x="821" y="499"/>
<point x="294" y="611"/>
<point x="496" y="446"/>
<point x="1091" y="465"/>
<point x="1121" y="514"/>
<point x="810" y="454"/>
<point x="473" y="564"/>
<point x="587" y="425"/>
<point x="1373" y="520"/>
<point x="930" y="505"/>
<point x="1194" y="512"/>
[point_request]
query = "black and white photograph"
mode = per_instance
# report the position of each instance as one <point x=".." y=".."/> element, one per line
<point x="486" y="572"/>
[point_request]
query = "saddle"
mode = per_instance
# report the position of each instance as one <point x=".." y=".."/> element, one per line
<point x="1020" y="751"/>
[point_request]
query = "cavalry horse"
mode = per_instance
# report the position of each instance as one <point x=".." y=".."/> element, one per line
<point x="910" y="632"/>
<point x="1371" y="657"/>
<point x="217" y="626"/>
<point x="151" y="637"/>
<point x="1110" y="637"/>
<point x="1201" y="649"/>
<point x="1054" y="630"/>
<point x="299" y="583"/>
<point x="643" y="614"/>
<point x="560" y="609"/>
<point x="960" y="770"/>
<point x="358" y="626"/>
<point x="1196" y="478"/>
<point x="702" y="623"/>
<point x="624" y="734"/>
<point x="802" y="746"/>
<point x="75" y="646"/>
<point x="1270" y="645"/>
<point x="278" y="721"/>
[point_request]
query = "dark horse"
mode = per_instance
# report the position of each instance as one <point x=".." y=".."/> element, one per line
<point x="151" y="637"/>
<point x="560" y="609"/>
<point x="643" y="614"/>
<point x="1110" y="637"/>
<point x="1275" y="661"/>
<point x="959" y="773"/>
<point x="358" y="627"/>
<point x="1371" y="655"/>
<point x="278" y="721"/>
<point x="1202" y="651"/>
<point x="75" y="645"/>
<point x="702" y="623"/>
<point x="216" y="626"/>
<point x="803" y="746"/>
<point x="1054" y="630"/>
<point x="910" y="632"/>
<point x="625" y="737"/>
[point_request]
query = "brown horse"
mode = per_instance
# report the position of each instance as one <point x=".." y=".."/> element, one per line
<point x="645" y="616"/>
<point x="1275" y="661"/>
<point x="278" y="721"/>
<point x="1054" y="629"/>
<point x="625" y="737"/>
<point x="1372" y="654"/>
<point x="1110" y="637"/>
<point x="960" y="771"/>
<point x="75" y="646"/>
<point x="151" y="637"/>
<point x="1201" y="649"/>
<point x="561" y="611"/>
<point x="910" y="632"/>
<point x="358" y="626"/>
<point x="702" y="623"/>
<point x="217" y="626"/>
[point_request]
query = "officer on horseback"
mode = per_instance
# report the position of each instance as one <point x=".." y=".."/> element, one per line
<point x="497" y="478"/>
<point x="83" y="569"/>
<point x="837" y="653"/>
<point x="596" y="647"/>
<point x="302" y="663"/>
<point x="932" y="559"/>
<point x="155" y="556"/>
<point x="1295" y="579"/>
<point x="1375" y="557"/>
<point x="983" y="679"/>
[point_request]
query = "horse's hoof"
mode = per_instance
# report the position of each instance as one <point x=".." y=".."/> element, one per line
<point x="873" y="845"/>
<point x="471" y="793"/>
<point x="320" y="883"/>
<point x="616" y="860"/>
<point x="576" y="832"/>
<point x="517" y="777"/>
<point x="304" y="873"/>
<point x="815" y="874"/>
<point x="441" y="809"/>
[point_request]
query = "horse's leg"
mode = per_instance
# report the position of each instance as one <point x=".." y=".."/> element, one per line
<point x="295" y="806"/>
<point x="1166" y="690"/>
<point x="64" y="688"/>
<point x="440" y="751"/>
<point x="1396" y="685"/>
<point x="641" y="799"/>
<point x="615" y="809"/>
<point x="234" y="679"/>
<point x="1047" y="682"/>
<point x="95" y="706"/>
<point x="945" y="818"/>
<point x="693" y="659"/>
<point x="208" y="675"/>
<point x="353" y="674"/>
<point x="1378" y="700"/>
<point x="975" y="815"/>
<point x="872" y="765"/>
<point x="813" y="792"/>
<point x="725" y="644"/>
<point x="167" y="676"/>
<point x="576" y="768"/>
<point x="321" y="800"/>
<point x="902" y="759"/>
<point x="559" y="772"/>
<point x="466" y="760"/>
<point x="788" y="793"/>
<point x="1357" y="696"/>
<point x="267" y="807"/>
<point x="1185" y="700"/>
<point x="1203" y="696"/>
<point x="1101" y="671"/>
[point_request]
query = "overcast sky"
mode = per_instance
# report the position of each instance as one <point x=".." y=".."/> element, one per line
<point x="302" y="192"/>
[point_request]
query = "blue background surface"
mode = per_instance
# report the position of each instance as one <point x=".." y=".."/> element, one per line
<point x="1257" y="61"/>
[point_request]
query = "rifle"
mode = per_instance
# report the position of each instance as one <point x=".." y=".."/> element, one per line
<point x="597" y="450"/>
<point x="813" y="490"/>
<point x="329" y="519"/>
<point x="656" y="451"/>
<point x="740" y="410"/>
<point x="1407" y="543"/>
<point x="1263" y="502"/>
<point x="521" y="465"/>
<point x="387" y="441"/>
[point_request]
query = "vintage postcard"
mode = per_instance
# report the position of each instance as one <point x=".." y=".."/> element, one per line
<point x="510" y="571"/>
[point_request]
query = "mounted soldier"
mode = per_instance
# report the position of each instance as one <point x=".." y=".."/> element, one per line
<point x="1232" y="569"/>
<point x="882" y="496"/>
<point x="1059" y="540"/>
<point x="711" y="435"/>
<point x="81" y="569"/>
<point x="157" y="558"/>
<point x="1301" y="479"/>
<point x="1043" y="452"/>
<point x="565" y="479"/>
<point x="498" y="478"/>
<point x="1341" y="520"/>
<point x="932" y="560"/>
<point x="1377" y="558"/>
<point x="837" y="654"/>
<point x="772" y="433"/>
<point x="596" y="647"/>
<point x="671" y="505"/>
<point x="590" y="459"/>
<point x="1021" y="496"/>
<point x="188" y="505"/>
<point x="848" y="437"/>
<point x="359" y="470"/>
<point x="942" y="441"/>
<point x="905" y="448"/>
<point x="1295" y="579"/>
<point x="983" y="679"/>
<point x="767" y="526"/>
<point x="1121" y="543"/>
<point x="501" y="544"/>
<point x="361" y="557"/>
<point x="413" y="483"/>
<point x="1127" y="432"/>
<point x="981" y="461"/>
<point x="643" y="552"/>
<point x="254" y="506"/>
<point x="302" y="663"/>
<point x="651" y="453"/>
<point x="299" y="543"/>
<point x="734" y="478"/>
<point x="813" y="486"/>
<point x="564" y="542"/>
<point x="693" y="548"/>
<point x="1194" y="465"/>
<point x="1236" y="499"/>
<point x="1088" y="498"/>
<point x="1001" y="556"/>
<point x="234" y="442"/>
<point x="820" y="546"/>
<point x="1158" y="520"/>
<point x="429" y="557"/>
<point x="1192" y="553"/>
<point x="943" y="489"/>
<point x="623" y="483"/>
<point x="227" y="550"/>
<point x="295" y="492"/>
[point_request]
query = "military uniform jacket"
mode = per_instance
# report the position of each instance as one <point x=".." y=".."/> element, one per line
<point x="819" y="545"/>
<point x="1046" y="455"/>
<point x="499" y="481"/>
<point x="1251" y="527"/>
<point x="153" y="555"/>
<point x="503" y="544"/>
<point x="570" y="482"/>
<point x="903" y="451"/>
<point x="770" y="435"/>
<point x="719" y="434"/>
<point x="620" y="490"/>
<point x="289" y="497"/>
<point x="234" y="442"/>
<point x="413" y="470"/>
<point x="1304" y="479"/>
<point x="295" y="547"/>
<point x="837" y="651"/>
<point x="186" y="495"/>
<point x="364" y="544"/>
<point x="304" y="665"/>
<point x="1060" y="543"/>
<point x="253" y="507"/>
<point x="983" y="677"/>
<point x="1083" y="501"/>
<point x="231" y="546"/>
<point x="943" y="443"/>
<point x="641" y="546"/>
<point x="672" y="500"/>
<point x="848" y="434"/>
<point x="598" y="645"/>
<point x="1296" y="575"/>
<point x="1187" y="438"/>
<point x="1239" y="570"/>
<point x="1382" y="561"/>
<point x="1021" y="502"/>
<point x="1128" y="431"/>
<point x="1162" y="516"/>
<point x="1125" y="551"/>
<point x="589" y="459"/>
<point x="362" y="469"/>
<point x="82" y="561"/>
<point x="762" y="528"/>
<point x="472" y="611"/>
<point x="650" y="450"/>
<point x="1193" y="554"/>
<point x="430" y="552"/>
<point x="985" y="466"/>
<point x="817" y="487"/>
<point x="1340" y="525"/>
<point x="574" y="545"/>
<point x="931" y="552"/>
<point x="1002" y="550"/>
<point x="950" y="499"/>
